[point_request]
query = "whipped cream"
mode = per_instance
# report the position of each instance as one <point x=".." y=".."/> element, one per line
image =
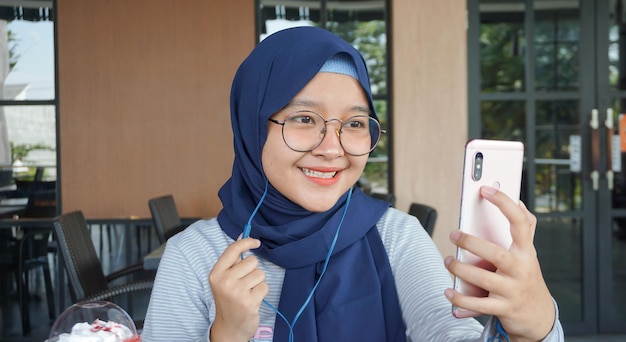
<point x="98" y="331"/>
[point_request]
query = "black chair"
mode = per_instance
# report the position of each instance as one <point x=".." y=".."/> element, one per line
<point x="84" y="270"/>
<point x="6" y="176"/>
<point x="33" y="251"/>
<point x="165" y="217"/>
<point x="20" y="256"/>
<point x="426" y="214"/>
<point x="32" y="248"/>
<point x="39" y="171"/>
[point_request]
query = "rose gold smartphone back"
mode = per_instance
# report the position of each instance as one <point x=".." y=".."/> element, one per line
<point x="497" y="164"/>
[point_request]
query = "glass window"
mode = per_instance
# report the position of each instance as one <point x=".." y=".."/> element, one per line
<point x="557" y="36"/>
<point x="505" y="120"/>
<point x="361" y="23"/>
<point x="502" y="45"/>
<point x="27" y="92"/>
<point x="617" y="41"/>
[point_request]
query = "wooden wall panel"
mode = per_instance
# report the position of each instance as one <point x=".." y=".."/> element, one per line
<point x="430" y="107"/>
<point x="144" y="102"/>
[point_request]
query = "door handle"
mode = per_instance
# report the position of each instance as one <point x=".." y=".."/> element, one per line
<point x="608" y="123"/>
<point x="594" y="123"/>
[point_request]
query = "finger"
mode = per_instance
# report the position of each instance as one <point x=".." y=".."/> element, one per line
<point x="232" y="254"/>
<point x="260" y="291"/>
<point x="243" y="268"/>
<point x="484" y="305"/>
<point x="532" y="219"/>
<point x="253" y="279"/>
<point x="495" y="254"/>
<point x="521" y="231"/>
<point x="485" y="279"/>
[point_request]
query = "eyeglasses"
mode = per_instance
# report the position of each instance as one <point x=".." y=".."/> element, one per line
<point x="304" y="130"/>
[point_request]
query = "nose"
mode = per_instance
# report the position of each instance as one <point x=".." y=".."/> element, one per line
<point x="330" y="146"/>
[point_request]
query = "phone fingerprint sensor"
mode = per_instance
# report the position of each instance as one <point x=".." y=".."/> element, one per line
<point x="496" y="185"/>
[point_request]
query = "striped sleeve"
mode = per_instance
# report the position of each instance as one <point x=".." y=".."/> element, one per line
<point x="421" y="279"/>
<point x="180" y="307"/>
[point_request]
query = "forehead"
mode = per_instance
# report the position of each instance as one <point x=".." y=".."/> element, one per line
<point x="331" y="93"/>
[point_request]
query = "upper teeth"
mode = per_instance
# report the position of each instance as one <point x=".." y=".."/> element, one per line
<point x="318" y="174"/>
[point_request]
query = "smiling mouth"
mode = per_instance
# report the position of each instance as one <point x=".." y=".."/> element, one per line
<point x="318" y="174"/>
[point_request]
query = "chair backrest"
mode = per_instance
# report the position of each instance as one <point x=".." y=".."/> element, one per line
<point x="41" y="200"/>
<point x="6" y="176"/>
<point x="426" y="214"/>
<point x="165" y="217"/>
<point x="83" y="267"/>
<point x="39" y="171"/>
<point x="34" y="244"/>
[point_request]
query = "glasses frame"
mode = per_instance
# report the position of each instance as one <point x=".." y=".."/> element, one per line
<point x="282" y="131"/>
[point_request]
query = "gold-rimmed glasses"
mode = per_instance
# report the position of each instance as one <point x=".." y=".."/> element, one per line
<point x="304" y="130"/>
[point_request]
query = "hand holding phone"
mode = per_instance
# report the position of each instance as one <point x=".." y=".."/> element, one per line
<point x="497" y="164"/>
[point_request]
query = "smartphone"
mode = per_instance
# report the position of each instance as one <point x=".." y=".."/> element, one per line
<point x="496" y="163"/>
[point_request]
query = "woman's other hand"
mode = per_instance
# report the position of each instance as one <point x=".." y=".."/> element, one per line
<point x="518" y="294"/>
<point x="238" y="287"/>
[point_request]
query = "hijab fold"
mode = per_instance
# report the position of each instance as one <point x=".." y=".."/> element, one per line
<point x="356" y="300"/>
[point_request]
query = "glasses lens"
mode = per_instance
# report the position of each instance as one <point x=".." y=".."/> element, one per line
<point x="360" y="135"/>
<point x="303" y="131"/>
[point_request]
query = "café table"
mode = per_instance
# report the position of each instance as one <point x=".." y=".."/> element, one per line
<point x="26" y="224"/>
<point x="151" y="260"/>
<point x="12" y="206"/>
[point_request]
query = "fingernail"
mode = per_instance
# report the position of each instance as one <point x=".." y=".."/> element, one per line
<point x="454" y="235"/>
<point x="447" y="260"/>
<point x="449" y="293"/>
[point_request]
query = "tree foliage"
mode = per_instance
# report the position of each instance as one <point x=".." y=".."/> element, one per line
<point x="20" y="151"/>
<point x="370" y="38"/>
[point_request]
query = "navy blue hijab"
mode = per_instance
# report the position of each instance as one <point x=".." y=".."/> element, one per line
<point x="356" y="299"/>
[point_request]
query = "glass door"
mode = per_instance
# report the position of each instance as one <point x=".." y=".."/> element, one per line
<point x="611" y="94"/>
<point x="548" y="73"/>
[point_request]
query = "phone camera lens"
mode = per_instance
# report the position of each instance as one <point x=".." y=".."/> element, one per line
<point x="478" y="166"/>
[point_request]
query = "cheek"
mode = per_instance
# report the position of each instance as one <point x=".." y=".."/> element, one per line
<point x="358" y="163"/>
<point x="267" y="159"/>
<point x="274" y="157"/>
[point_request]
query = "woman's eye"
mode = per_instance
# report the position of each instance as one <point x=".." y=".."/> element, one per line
<point x="303" y="119"/>
<point x="355" y="124"/>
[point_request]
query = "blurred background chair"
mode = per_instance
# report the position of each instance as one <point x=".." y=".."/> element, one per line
<point x="426" y="214"/>
<point x="28" y="247"/>
<point x="21" y="254"/>
<point x="84" y="269"/>
<point x="165" y="216"/>
<point x="6" y="179"/>
<point x="34" y="247"/>
<point x="388" y="197"/>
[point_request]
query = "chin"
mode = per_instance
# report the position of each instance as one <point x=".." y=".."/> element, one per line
<point x="318" y="209"/>
<point x="319" y="204"/>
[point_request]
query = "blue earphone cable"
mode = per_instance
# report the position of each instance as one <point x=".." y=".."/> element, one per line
<point x="246" y="233"/>
<point x="248" y="227"/>
<point x="500" y="335"/>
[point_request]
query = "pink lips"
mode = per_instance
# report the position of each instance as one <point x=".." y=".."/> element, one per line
<point x="322" y="176"/>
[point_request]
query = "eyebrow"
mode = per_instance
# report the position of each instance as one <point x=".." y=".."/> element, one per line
<point x="309" y="103"/>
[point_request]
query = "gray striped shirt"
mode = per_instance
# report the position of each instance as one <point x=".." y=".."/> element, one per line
<point x="182" y="308"/>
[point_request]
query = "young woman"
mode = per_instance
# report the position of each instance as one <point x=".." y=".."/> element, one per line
<point x="299" y="254"/>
